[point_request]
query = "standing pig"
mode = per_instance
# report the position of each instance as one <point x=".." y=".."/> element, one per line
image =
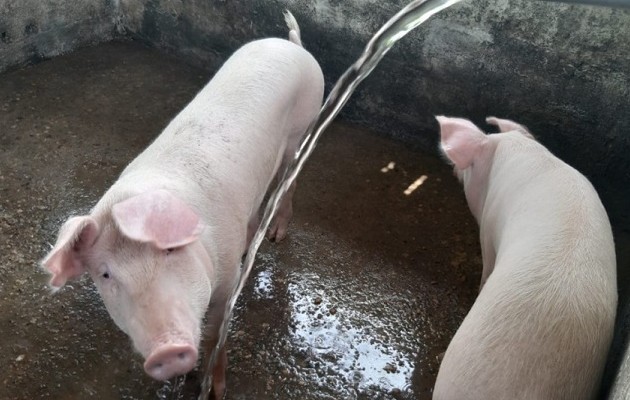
<point x="543" y="321"/>
<point x="165" y="242"/>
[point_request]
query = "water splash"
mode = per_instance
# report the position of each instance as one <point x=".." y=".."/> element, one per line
<point x="410" y="17"/>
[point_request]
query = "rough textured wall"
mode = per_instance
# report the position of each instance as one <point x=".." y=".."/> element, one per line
<point x="31" y="30"/>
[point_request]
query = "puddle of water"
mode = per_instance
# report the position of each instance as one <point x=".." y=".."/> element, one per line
<point x="352" y="350"/>
<point x="329" y="340"/>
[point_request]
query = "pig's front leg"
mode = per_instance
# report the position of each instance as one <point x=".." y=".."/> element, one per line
<point x="218" y="371"/>
<point x="280" y="223"/>
<point x="214" y="320"/>
<point x="218" y="375"/>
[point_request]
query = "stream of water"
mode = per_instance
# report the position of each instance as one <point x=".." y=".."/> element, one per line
<point x="410" y="17"/>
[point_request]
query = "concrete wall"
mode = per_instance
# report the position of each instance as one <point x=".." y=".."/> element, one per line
<point x="31" y="30"/>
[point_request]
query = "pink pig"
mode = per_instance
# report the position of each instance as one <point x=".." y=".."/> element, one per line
<point x="543" y="321"/>
<point x="164" y="243"/>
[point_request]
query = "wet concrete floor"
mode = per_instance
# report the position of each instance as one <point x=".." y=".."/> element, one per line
<point x="357" y="303"/>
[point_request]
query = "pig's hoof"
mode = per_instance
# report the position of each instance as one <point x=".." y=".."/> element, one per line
<point x="277" y="231"/>
<point x="218" y="393"/>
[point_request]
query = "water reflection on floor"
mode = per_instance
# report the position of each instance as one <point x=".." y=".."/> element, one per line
<point x="352" y="350"/>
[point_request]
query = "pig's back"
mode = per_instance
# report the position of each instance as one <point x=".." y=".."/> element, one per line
<point x="237" y="126"/>
<point x="244" y="109"/>
<point x="542" y="325"/>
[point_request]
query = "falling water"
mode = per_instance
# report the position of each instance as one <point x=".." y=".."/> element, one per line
<point x="414" y="14"/>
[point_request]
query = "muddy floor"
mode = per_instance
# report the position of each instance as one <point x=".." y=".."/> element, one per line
<point x="357" y="303"/>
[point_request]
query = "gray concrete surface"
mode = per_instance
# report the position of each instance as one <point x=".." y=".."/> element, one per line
<point x="32" y="30"/>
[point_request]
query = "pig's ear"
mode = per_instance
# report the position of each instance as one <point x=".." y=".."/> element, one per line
<point x="157" y="217"/>
<point x="460" y="140"/>
<point x="506" y="125"/>
<point x="63" y="261"/>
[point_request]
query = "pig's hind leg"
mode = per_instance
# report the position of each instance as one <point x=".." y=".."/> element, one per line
<point x="280" y="223"/>
<point x="304" y="112"/>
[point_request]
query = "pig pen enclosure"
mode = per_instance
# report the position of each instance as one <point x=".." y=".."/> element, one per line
<point x="365" y="293"/>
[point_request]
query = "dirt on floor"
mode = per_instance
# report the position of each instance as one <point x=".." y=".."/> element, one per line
<point x="358" y="302"/>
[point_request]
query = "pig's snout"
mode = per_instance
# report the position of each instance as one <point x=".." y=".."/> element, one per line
<point x="170" y="360"/>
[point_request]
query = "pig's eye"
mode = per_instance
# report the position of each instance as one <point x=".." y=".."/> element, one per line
<point x="169" y="251"/>
<point x="103" y="270"/>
